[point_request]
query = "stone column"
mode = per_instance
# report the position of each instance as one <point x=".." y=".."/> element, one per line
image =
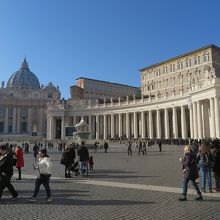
<point x="18" y="120"/>
<point x="52" y="128"/>
<point x="29" y="120"/>
<point x="127" y="126"/>
<point x="104" y="127"/>
<point x="112" y="126"/>
<point x="63" y="128"/>
<point x="212" y="118"/>
<point x="135" y="125"/>
<point x="191" y="122"/>
<point x="90" y="124"/>
<point x="195" y="130"/>
<point x="119" y="125"/>
<point x="41" y="128"/>
<point x="74" y="120"/>
<point x="175" y="125"/>
<point x="14" y="120"/>
<point x="6" y="120"/>
<point x="158" y="124"/>
<point x="150" y="125"/>
<point x="199" y="120"/>
<point x="183" y="121"/>
<point x="216" y="101"/>
<point x="143" y="130"/>
<point x="49" y="128"/>
<point x="97" y="127"/>
<point x="166" y="123"/>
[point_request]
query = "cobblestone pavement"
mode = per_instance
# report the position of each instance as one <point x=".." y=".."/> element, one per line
<point x="120" y="187"/>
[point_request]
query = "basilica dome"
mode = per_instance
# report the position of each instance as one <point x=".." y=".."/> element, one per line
<point x="24" y="78"/>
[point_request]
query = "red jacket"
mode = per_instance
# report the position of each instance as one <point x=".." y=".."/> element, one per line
<point x="20" y="158"/>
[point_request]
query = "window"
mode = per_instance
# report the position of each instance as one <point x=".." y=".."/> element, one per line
<point x="198" y="59"/>
<point x="190" y="63"/>
<point x="24" y="111"/>
<point x="186" y="63"/>
<point x="165" y="70"/>
<point x="1" y="127"/>
<point x="205" y="57"/>
<point x="9" y="128"/>
<point x="49" y="95"/>
<point x="178" y="65"/>
<point x="2" y="111"/>
<point x="195" y="60"/>
<point x="23" y="127"/>
<point x="158" y="72"/>
<point x="171" y="68"/>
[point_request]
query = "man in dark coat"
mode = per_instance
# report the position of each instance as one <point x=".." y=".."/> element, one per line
<point x="83" y="154"/>
<point x="6" y="172"/>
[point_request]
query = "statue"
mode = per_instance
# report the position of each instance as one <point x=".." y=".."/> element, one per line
<point x="3" y="84"/>
<point x="82" y="131"/>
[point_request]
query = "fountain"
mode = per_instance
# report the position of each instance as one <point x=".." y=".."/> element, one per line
<point x="82" y="132"/>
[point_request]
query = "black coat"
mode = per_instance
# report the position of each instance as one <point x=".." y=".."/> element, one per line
<point x="83" y="154"/>
<point x="216" y="167"/>
<point x="68" y="157"/>
<point x="6" y="165"/>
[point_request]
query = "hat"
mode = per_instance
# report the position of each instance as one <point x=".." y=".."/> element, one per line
<point x="3" y="147"/>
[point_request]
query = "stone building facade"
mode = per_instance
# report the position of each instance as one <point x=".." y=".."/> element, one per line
<point x="179" y="99"/>
<point x="23" y="104"/>
<point x="93" y="89"/>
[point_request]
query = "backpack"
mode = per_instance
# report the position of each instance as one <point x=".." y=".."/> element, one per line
<point x="204" y="160"/>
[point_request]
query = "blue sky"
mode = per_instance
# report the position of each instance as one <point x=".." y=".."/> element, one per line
<point x="102" y="39"/>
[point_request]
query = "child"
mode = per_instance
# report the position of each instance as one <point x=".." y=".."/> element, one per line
<point x="91" y="162"/>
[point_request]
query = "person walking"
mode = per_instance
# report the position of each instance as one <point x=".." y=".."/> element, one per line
<point x="83" y="154"/>
<point x="20" y="160"/>
<point x="129" y="146"/>
<point x="144" y="149"/>
<point x="190" y="173"/>
<point x="105" y="146"/>
<point x="6" y="172"/>
<point x="160" y="145"/>
<point x="139" y="148"/>
<point x="44" y="167"/>
<point x="35" y="151"/>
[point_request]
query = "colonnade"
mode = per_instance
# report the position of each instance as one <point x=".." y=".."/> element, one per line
<point x="197" y="119"/>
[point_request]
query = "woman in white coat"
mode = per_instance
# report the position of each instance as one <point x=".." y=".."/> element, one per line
<point x="43" y="166"/>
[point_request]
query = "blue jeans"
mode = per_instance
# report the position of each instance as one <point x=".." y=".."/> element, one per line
<point x="185" y="186"/>
<point x="42" y="179"/>
<point x="84" y="167"/>
<point x="206" y="171"/>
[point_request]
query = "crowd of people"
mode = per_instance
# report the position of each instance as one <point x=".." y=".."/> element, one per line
<point x="201" y="159"/>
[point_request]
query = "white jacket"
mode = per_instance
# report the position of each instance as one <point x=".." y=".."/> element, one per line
<point x="45" y="165"/>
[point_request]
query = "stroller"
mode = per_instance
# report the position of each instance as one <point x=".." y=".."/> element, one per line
<point x="75" y="168"/>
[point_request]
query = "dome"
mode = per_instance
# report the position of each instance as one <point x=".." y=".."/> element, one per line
<point x="24" y="78"/>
